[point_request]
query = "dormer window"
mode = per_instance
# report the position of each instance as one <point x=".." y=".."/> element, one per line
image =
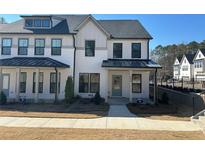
<point x="37" y="23"/>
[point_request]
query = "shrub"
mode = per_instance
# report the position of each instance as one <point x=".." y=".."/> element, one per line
<point x="98" y="99"/>
<point x="165" y="99"/>
<point x="69" y="90"/>
<point x="3" y="98"/>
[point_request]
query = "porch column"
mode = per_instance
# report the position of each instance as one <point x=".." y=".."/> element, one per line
<point x="37" y="85"/>
<point x="155" y="86"/>
<point x="18" y="73"/>
<point x="130" y="82"/>
<point x="1" y="82"/>
<point x="56" y="93"/>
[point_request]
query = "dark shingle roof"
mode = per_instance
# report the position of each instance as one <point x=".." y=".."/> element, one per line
<point x="127" y="29"/>
<point x="130" y="63"/>
<point x="32" y="62"/>
<point x="190" y="57"/>
<point x="203" y="51"/>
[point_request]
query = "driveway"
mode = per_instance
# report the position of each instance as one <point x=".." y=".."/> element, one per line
<point x="119" y="118"/>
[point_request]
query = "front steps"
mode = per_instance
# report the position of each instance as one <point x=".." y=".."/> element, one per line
<point x="199" y="119"/>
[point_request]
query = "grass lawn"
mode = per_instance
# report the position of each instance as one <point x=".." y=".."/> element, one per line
<point x="13" y="133"/>
<point x="78" y="109"/>
<point x="162" y="112"/>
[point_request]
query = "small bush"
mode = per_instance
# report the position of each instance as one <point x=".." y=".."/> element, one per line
<point x="165" y="99"/>
<point x="3" y="98"/>
<point x="69" y="90"/>
<point x="98" y="99"/>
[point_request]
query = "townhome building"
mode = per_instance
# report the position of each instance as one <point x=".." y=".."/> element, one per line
<point x="176" y="68"/>
<point x="39" y="52"/>
<point x="199" y="65"/>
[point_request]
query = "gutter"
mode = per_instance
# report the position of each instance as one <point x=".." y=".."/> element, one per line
<point x="74" y="62"/>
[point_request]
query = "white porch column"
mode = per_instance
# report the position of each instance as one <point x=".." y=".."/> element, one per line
<point x="1" y="82"/>
<point x="155" y="86"/>
<point x="37" y="85"/>
<point x="130" y="82"/>
<point x="18" y="73"/>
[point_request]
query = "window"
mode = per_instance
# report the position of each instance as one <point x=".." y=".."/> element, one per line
<point x="136" y="83"/>
<point x="90" y="48"/>
<point x="23" y="77"/>
<point x="37" y="22"/>
<point x="39" y="46"/>
<point x="94" y="82"/>
<point x="53" y="82"/>
<point x="6" y="46"/>
<point x="89" y="83"/>
<point x="83" y="82"/>
<point x="185" y="68"/>
<point x="45" y="23"/>
<point x="28" y="23"/>
<point x="117" y="50"/>
<point x="40" y="82"/>
<point x="23" y="47"/>
<point x="136" y="50"/>
<point x="56" y="47"/>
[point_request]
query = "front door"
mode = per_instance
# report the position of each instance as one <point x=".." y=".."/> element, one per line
<point x="5" y="88"/>
<point x="117" y="85"/>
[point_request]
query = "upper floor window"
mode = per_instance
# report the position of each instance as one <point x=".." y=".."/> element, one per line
<point x="136" y="50"/>
<point x="37" y="23"/>
<point x="23" y="47"/>
<point x="28" y="23"/>
<point x="117" y="50"/>
<point x="6" y="46"/>
<point x="89" y="48"/>
<point x="56" y="46"/>
<point x="39" y="46"/>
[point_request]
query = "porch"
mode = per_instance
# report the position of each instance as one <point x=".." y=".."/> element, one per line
<point x="129" y="78"/>
<point x="32" y="79"/>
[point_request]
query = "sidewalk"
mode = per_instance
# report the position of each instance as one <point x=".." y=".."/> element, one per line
<point x="119" y="118"/>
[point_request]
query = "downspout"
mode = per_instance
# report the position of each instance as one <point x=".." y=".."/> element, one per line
<point x="56" y="92"/>
<point x="148" y="49"/>
<point x="74" y="60"/>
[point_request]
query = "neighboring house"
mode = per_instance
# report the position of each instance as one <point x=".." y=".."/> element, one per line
<point x="38" y="53"/>
<point x="187" y="67"/>
<point x="176" y="68"/>
<point x="199" y="65"/>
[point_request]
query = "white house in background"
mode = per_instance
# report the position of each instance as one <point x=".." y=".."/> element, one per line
<point x="187" y="67"/>
<point x="38" y="53"/>
<point x="176" y="68"/>
<point x="199" y="65"/>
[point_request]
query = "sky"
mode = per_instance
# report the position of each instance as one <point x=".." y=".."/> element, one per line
<point x="165" y="29"/>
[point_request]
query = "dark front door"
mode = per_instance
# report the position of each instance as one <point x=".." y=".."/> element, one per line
<point x="117" y="85"/>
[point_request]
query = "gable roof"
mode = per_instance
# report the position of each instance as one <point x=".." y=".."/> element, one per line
<point x="202" y="51"/>
<point x="190" y="57"/>
<point x="32" y="62"/>
<point x="125" y="29"/>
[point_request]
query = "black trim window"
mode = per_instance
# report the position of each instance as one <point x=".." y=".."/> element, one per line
<point x="136" y="83"/>
<point x="23" y="47"/>
<point x="45" y="23"/>
<point x="56" y="46"/>
<point x="23" y="78"/>
<point x="136" y="50"/>
<point x="37" y="22"/>
<point x="40" y="82"/>
<point x="53" y="82"/>
<point x="6" y="46"/>
<point x="29" y="23"/>
<point x="117" y="50"/>
<point x="39" y="46"/>
<point x="90" y="48"/>
<point x="89" y="83"/>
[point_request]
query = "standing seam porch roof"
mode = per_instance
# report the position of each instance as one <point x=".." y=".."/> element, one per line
<point x="32" y="62"/>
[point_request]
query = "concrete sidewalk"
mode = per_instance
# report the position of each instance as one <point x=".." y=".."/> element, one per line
<point x="100" y="123"/>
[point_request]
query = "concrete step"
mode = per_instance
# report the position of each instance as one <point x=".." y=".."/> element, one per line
<point x="202" y="118"/>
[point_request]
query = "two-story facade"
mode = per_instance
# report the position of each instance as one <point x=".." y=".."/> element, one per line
<point x="176" y="68"/>
<point x="38" y="53"/>
<point x="199" y="65"/>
